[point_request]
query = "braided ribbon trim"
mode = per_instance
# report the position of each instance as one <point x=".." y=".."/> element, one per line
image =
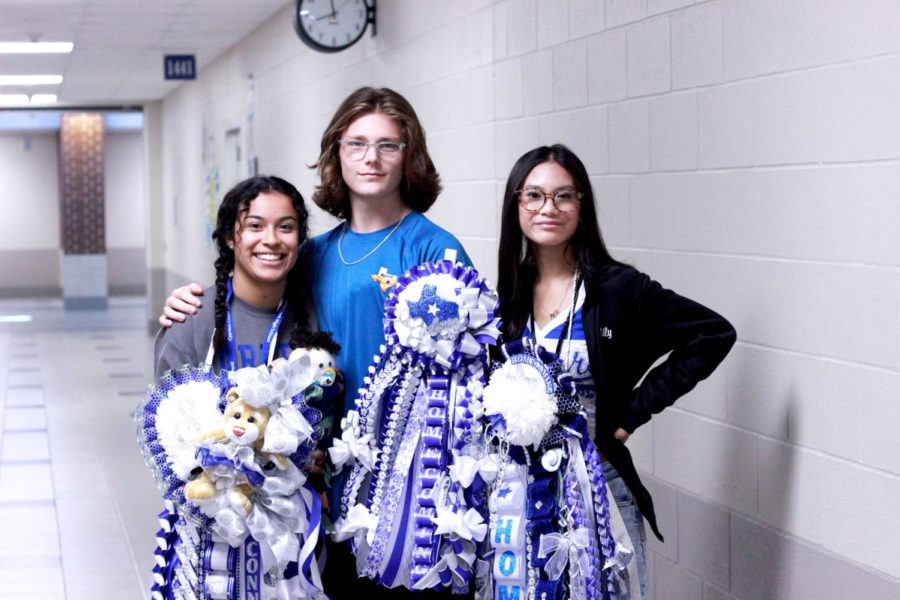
<point x="578" y="520"/>
<point x="364" y="427"/>
<point x="433" y="464"/>
<point x="602" y="516"/>
<point x="390" y="501"/>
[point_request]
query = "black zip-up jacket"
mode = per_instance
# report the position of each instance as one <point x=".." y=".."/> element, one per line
<point x="630" y="321"/>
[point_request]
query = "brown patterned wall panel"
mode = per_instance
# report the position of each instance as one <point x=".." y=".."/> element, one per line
<point x="81" y="183"/>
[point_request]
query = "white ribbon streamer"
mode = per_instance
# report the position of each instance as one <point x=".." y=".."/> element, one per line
<point x="484" y="586"/>
<point x="562" y="547"/>
<point x="468" y="526"/>
<point x="287" y="429"/>
<point x="348" y="449"/>
<point x="464" y="468"/>
<point x="359" y="523"/>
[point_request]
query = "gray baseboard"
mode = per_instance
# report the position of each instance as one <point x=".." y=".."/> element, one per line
<point x="127" y="271"/>
<point x="86" y="303"/>
<point x="34" y="273"/>
<point x="85" y="276"/>
<point x="37" y="273"/>
<point x="132" y="289"/>
<point x="31" y="291"/>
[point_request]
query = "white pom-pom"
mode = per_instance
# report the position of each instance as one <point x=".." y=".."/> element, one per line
<point x="517" y="393"/>
<point x="188" y="410"/>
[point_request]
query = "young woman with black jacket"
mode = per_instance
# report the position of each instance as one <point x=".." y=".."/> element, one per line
<point x="608" y="322"/>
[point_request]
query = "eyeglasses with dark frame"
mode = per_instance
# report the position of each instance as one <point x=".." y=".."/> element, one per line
<point x="532" y="199"/>
<point x="357" y="149"/>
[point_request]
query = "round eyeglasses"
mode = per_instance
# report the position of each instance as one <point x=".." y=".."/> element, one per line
<point x="533" y="199"/>
<point x="357" y="149"/>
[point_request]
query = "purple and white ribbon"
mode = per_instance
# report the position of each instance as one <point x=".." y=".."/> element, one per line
<point x="418" y="411"/>
<point x="208" y="548"/>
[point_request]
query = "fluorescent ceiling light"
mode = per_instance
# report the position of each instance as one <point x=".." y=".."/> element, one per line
<point x="7" y="100"/>
<point x="35" y="47"/>
<point x="15" y="318"/>
<point x="43" y="98"/>
<point x="13" y="99"/>
<point x="30" y="79"/>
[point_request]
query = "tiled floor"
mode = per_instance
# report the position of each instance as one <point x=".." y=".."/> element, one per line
<point x="77" y="504"/>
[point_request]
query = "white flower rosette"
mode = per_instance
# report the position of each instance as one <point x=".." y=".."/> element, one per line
<point x="442" y="311"/>
<point x="522" y="396"/>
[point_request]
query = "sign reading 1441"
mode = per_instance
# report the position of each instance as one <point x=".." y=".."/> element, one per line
<point x="333" y="25"/>
<point x="180" y="66"/>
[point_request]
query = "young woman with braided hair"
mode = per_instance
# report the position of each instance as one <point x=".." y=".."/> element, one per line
<point x="259" y="312"/>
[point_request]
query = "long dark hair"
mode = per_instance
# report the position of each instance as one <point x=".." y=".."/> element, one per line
<point x="234" y="204"/>
<point x="421" y="183"/>
<point x="516" y="267"/>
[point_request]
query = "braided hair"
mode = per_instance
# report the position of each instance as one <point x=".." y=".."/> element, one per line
<point x="236" y="202"/>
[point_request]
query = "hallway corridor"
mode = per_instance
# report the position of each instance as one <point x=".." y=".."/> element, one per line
<point x="77" y="504"/>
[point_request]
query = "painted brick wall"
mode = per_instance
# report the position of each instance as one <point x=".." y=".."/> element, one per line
<point x="745" y="153"/>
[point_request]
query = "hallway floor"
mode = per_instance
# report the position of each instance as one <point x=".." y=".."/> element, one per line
<point x="77" y="504"/>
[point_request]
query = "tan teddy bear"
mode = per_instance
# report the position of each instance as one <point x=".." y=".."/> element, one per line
<point x="245" y="426"/>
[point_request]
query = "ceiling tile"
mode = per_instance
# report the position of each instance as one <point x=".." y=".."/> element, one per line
<point x="119" y="44"/>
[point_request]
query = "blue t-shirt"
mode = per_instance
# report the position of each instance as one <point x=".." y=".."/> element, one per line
<point x="572" y="353"/>
<point x="349" y="300"/>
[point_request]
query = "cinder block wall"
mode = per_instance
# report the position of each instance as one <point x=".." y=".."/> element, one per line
<point x="744" y="153"/>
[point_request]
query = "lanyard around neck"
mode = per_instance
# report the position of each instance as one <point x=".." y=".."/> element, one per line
<point x="231" y="344"/>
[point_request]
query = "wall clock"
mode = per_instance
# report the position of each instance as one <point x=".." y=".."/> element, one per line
<point x="333" y="25"/>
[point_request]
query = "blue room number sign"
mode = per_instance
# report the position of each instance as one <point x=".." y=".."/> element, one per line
<point x="180" y="66"/>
